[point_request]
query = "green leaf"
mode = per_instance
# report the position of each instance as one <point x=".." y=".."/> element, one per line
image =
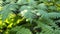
<point x="43" y="0"/>
<point x="54" y="15"/>
<point x="20" y="30"/>
<point x="45" y="28"/>
<point x="10" y="1"/>
<point x="24" y="31"/>
<point x="31" y="2"/>
<point x="7" y="10"/>
<point x="20" y="2"/>
<point x="57" y="32"/>
<point x="54" y="7"/>
<point x="24" y="7"/>
<point x="42" y="6"/>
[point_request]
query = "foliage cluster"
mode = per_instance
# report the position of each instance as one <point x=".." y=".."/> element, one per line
<point x="29" y="16"/>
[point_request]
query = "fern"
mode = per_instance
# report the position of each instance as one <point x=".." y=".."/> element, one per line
<point x="8" y="9"/>
<point x="29" y="16"/>
<point x="20" y="30"/>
